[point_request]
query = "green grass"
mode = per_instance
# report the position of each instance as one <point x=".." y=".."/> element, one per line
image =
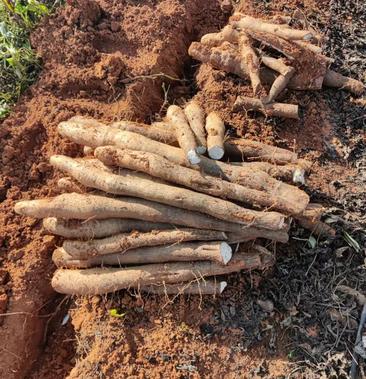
<point x="19" y="65"/>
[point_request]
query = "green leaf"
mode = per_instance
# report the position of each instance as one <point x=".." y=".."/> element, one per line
<point x="114" y="313"/>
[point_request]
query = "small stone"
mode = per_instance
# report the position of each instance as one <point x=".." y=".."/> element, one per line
<point x="266" y="305"/>
<point x="115" y="26"/>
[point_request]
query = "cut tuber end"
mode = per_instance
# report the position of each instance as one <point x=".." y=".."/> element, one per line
<point x="216" y="152"/>
<point x="222" y="286"/>
<point x="299" y="176"/>
<point x="201" y="149"/>
<point x="226" y="252"/>
<point x="193" y="157"/>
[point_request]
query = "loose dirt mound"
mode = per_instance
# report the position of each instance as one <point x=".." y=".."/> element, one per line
<point x="127" y="59"/>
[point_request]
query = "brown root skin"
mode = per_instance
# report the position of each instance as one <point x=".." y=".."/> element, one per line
<point x="273" y="109"/>
<point x="202" y="287"/>
<point x="310" y="219"/>
<point x="217" y="251"/>
<point x="102" y="280"/>
<point x="87" y="207"/>
<point x="196" y="119"/>
<point x="86" y="230"/>
<point x="261" y="181"/>
<point x="251" y="61"/>
<point x="241" y="148"/>
<point x="127" y="241"/>
<point x="290" y="172"/>
<point x="279" y="85"/>
<point x="243" y="22"/>
<point x="160" y="167"/>
<point x="215" y="129"/>
<point x="137" y="186"/>
<point x="333" y="79"/>
<point x="186" y="139"/>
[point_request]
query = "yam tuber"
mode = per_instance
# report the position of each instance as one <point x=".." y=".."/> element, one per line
<point x="196" y="118"/>
<point x="215" y="129"/>
<point x="219" y="252"/>
<point x="90" y="229"/>
<point x="289" y="172"/>
<point x="165" y="194"/>
<point x="101" y="280"/>
<point x="228" y="33"/>
<point x="251" y="61"/>
<point x="103" y="136"/>
<point x="127" y="241"/>
<point x="251" y="23"/>
<point x="184" y="133"/>
<point x="273" y="109"/>
<point x="160" y="167"/>
<point x="241" y="148"/>
<point x="333" y="79"/>
<point x="86" y="207"/>
<point x="198" y="287"/>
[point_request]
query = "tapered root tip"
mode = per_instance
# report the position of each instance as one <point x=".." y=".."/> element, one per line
<point x="193" y="157"/>
<point x="222" y="286"/>
<point x="226" y="252"/>
<point x="201" y="149"/>
<point x="20" y="208"/>
<point x="216" y="152"/>
<point x="299" y="176"/>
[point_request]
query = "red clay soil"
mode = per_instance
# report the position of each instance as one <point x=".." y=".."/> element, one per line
<point x="112" y="61"/>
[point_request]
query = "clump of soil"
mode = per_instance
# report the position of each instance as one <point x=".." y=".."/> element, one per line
<point x="128" y="59"/>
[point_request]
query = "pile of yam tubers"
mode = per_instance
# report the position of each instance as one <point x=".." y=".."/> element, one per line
<point x="146" y="209"/>
<point x="273" y="54"/>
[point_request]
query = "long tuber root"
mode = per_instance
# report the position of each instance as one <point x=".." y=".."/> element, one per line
<point x="215" y="135"/>
<point x="253" y="150"/>
<point x="333" y="79"/>
<point x="90" y="229"/>
<point x="66" y="184"/>
<point x="160" y="167"/>
<point x="216" y="251"/>
<point x="87" y="207"/>
<point x="289" y="172"/>
<point x="101" y="280"/>
<point x="165" y="194"/>
<point x="198" y="287"/>
<point x="251" y="23"/>
<point x="184" y="133"/>
<point x="196" y="118"/>
<point x="273" y="109"/>
<point x="127" y="241"/>
<point x="103" y="136"/>
<point x="251" y="61"/>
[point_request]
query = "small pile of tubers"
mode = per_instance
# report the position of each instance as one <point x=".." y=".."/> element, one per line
<point x="274" y="54"/>
<point x="146" y="209"/>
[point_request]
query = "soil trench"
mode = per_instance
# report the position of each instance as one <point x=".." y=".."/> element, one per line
<point x="128" y="60"/>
